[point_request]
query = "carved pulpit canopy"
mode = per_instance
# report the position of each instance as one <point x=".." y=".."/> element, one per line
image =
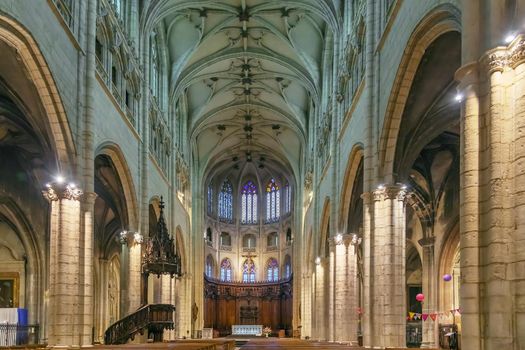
<point x="160" y="256"/>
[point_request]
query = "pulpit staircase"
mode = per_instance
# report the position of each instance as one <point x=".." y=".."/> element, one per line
<point x="154" y="318"/>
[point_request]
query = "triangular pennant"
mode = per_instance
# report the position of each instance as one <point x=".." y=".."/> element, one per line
<point x="411" y="315"/>
<point x="425" y="316"/>
<point x="417" y="316"/>
<point x="459" y="311"/>
<point x="433" y="316"/>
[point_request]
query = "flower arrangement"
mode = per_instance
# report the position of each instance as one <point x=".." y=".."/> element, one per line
<point x="266" y="331"/>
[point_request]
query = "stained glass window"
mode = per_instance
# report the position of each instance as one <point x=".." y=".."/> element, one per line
<point x="226" y="202"/>
<point x="248" y="271"/>
<point x="287" y="198"/>
<point x="249" y="203"/>
<point x="287" y="266"/>
<point x="273" y="201"/>
<point x="209" y="266"/>
<point x="226" y="270"/>
<point x="210" y="199"/>
<point x="272" y="270"/>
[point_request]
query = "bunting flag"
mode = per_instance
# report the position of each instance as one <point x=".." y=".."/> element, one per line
<point x="433" y="316"/>
<point x="459" y="311"/>
<point x="425" y="316"/>
<point x="411" y="315"/>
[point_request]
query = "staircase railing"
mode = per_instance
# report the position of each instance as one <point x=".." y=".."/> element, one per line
<point x="153" y="317"/>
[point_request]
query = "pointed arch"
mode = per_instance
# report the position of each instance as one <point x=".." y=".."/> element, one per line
<point x="181" y="249"/>
<point x="226" y="273"/>
<point x="38" y="72"/>
<point x="442" y="19"/>
<point x="113" y="151"/>
<point x="272" y="270"/>
<point x="225" y="201"/>
<point x="349" y="182"/>
<point x="273" y="201"/>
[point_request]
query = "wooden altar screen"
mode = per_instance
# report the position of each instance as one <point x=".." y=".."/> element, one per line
<point x="238" y="303"/>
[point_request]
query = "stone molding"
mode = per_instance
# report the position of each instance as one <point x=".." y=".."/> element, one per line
<point x="397" y="192"/>
<point x="427" y="242"/>
<point x="130" y="238"/>
<point x="496" y="60"/>
<point x="57" y="191"/>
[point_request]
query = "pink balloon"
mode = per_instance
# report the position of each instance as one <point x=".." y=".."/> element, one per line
<point x="447" y="277"/>
<point x="420" y="297"/>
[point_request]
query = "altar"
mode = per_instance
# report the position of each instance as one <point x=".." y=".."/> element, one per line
<point x="247" y="330"/>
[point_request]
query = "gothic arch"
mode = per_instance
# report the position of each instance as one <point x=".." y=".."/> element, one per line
<point x="449" y="251"/>
<point x="114" y="152"/>
<point x="35" y="282"/>
<point x="442" y="19"/>
<point x="37" y="71"/>
<point x="350" y="180"/>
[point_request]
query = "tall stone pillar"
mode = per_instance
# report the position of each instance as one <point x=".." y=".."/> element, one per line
<point x="430" y="292"/>
<point x="306" y="305"/>
<point x="331" y="291"/>
<point x="385" y="309"/>
<point x="103" y="321"/>
<point x="64" y="264"/>
<point x="491" y="198"/>
<point x="132" y="243"/>
<point x="320" y="279"/>
<point x="345" y="287"/>
<point x="518" y="265"/>
<point x="469" y="206"/>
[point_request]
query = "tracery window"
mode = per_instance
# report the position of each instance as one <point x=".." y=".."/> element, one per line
<point x="226" y="270"/>
<point x="249" y="203"/>
<point x="287" y="198"/>
<point x="287" y="266"/>
<point x="209" y="266"/>
<point x="248" y="271"/>
<point x="272" y="270"/>
<point x="273" y="201"/>
<point x="225" y="204"/>
<point x="210" y="199"/>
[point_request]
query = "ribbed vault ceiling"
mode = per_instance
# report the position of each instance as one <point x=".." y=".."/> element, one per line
<point x="249" y="72"/>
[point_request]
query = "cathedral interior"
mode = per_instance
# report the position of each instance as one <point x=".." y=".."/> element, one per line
<point x="325" y="173"/>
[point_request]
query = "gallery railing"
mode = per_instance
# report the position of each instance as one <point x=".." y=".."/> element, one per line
<point x="15" y="334"/>
<point x="414" y="334"/>
<point x="154" y="318"/>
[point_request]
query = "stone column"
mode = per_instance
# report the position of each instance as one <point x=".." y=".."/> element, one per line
<point x="469" y="206"/>
<point x="331" y="291"/>
<point x="64" y="264"/>
<point x="103" y="307"/>
<point x="132" y="243"/>
<point x="320" y="313"/>
<point x="518" y="266"/>
<point x="387" y="251"/>
<point x="345" y="286"/>
<point x="306" y="305"/>
<point x="430" y="292"/>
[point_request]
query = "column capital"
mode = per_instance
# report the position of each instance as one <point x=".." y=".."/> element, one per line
<point x="130" y="238"/>
<point x="397" y="191"/>
<point x="497" y="59"/>
<point x="89" y="198"/>
<point x="344" y="238"/>
<point x="56" y="191"/>
<point x="427" y="242"/>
